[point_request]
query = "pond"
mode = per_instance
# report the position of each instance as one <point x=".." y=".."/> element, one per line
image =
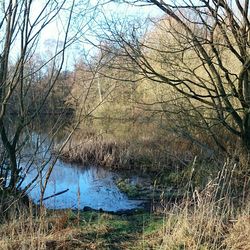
<point x="91" y="186"/>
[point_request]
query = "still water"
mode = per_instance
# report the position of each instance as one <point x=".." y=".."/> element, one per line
<point x="90" y="186"/>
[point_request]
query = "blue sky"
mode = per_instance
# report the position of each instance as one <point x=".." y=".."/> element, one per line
<point x="85" y="14"/>
<point x="86" y="18"/>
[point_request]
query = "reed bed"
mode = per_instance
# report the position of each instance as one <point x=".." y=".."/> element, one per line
<point x="216" y="217"/>
<point x="105" y="153"/>
<point x="143" y="153"/>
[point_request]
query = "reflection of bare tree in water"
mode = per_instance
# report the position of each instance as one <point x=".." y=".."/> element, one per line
<point x="90" y="186"/>
<point x="29" y="88"/>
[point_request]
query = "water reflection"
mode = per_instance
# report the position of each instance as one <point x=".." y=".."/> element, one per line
<point x="93" y="186"/>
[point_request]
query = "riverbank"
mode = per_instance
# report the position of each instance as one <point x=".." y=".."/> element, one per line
<point x="200" y="223"/>
<point x="83" y="230"/>
<point x="214" y="217"/>
<point x="166" y="176"/>
<point x="195" y="203"/>
<point x="133" y="146"/>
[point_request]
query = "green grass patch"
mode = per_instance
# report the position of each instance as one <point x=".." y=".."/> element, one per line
<point x="119" y="231"/>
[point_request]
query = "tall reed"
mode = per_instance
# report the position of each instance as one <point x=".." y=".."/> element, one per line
<point x="211" y="218"/>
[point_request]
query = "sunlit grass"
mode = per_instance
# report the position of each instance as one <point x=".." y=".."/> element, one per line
<point x="213" y="217"/>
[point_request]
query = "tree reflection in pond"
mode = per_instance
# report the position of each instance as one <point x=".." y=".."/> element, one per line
<point x="92" y="186"/>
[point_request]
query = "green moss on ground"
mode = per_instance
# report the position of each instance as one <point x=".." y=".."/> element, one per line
<point x="110" y="231"/>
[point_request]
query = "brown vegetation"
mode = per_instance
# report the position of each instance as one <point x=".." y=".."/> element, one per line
<point x="137" y="146"/>
<point x="209" y="218"/>
<point x="93" y="151"/>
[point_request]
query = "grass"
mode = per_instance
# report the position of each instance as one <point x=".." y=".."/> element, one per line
<point x="88" y="230"/>
<point x="132" y="191"/>
<point x="105" y="153"/>
<point x="209" y="225"/>
<point x="135" y="146"/>
<point x="206" y="227"/>
<point x="211" y="217"/>
<point x="214" y="217"/>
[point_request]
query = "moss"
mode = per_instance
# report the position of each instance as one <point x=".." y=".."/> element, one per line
<point x="120" y="232"/>
<point x="131" y="190"/>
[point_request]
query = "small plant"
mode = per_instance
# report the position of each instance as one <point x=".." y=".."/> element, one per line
<point x="132" y="190"/>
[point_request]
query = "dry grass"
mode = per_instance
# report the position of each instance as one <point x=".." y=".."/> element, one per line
<point x="213" y="218"/>
<point x="216" y="217"/>
<point x="129" y="151"/>
<point x="106" y="153"/>
<point x="206" y="228"/>
<point x="203" y="227"/>
<point x="239" y="234"/>
<point x="44" y="232"/>
<point x="201" y="222"/>
<point x="63" y="230"/>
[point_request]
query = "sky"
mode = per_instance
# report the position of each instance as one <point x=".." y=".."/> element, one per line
<point x="86" y="18"/>
<point x="84" y="14"/>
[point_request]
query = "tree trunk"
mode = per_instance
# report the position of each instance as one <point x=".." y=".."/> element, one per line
<point x="11" y="152"/>
<point x="246" y="133"/>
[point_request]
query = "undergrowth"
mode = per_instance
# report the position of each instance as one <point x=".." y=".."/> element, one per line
<point x="216" y="216"/>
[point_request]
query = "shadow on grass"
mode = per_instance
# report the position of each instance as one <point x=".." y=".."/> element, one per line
<point x="106" y="231"/>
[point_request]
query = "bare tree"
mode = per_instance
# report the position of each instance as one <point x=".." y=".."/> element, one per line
<point x="201" y="49"/>
<point x="25" y="84"/>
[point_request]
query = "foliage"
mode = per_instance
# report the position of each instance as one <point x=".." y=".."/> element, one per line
<point x="201" y="52"/>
